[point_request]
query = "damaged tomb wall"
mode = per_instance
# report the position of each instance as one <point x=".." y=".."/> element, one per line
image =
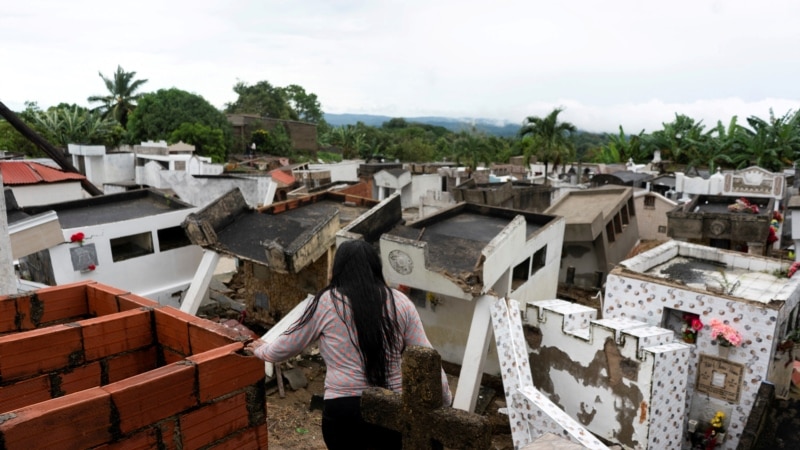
<point x="623" y="380"/>
<point x="641" y="298"/>
<point x="270" y="295"/>
<point x="446" y="302"/>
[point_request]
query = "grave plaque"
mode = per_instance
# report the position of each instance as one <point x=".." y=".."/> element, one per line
<point x="401" y="262"/>
<point x="719" y="378"/>
<point x="83" y="257"/>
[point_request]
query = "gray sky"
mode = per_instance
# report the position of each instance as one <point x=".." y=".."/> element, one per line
<point x="633" y="63"/>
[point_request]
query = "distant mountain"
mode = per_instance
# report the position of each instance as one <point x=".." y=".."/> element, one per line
<point x="493" y="127"/>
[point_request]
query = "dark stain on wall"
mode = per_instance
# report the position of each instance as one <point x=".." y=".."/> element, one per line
<point x="627" y="398"/>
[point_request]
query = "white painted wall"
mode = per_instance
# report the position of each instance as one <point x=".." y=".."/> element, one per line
<point x="118" y="167"/>
<point x="160" y="276"/>
<point x="342" y="171"/>
<point x="447" y="325"/>
<point x="572" y="330"/>
<point x="420" y="186"/>
<point x="47" y="193"/>
<point x="651" y="218"/>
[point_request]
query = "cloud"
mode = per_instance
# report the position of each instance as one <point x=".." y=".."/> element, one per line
<point x="608" y="63"/>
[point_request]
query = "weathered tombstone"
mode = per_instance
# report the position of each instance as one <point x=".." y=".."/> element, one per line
<point x="531" y="414"/>
<point x="418" y="413"/>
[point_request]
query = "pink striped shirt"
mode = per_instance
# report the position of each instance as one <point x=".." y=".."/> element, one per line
<point x="345" y="376"/>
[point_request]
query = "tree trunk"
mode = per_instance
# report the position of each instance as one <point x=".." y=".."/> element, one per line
<point x="51" y="151"/>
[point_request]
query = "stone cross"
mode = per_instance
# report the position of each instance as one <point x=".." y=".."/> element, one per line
<point x="418" y="413"/>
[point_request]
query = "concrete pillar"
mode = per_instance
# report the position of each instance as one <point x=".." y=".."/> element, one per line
<point x="480" y="334"/>
<point x="198" y="290"/>
<point x="8" y="280"/>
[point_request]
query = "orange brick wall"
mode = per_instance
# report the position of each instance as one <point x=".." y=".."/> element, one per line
<point x="87" y="365"/>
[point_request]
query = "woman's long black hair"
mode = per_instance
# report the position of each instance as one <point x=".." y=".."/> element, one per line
<point x="359" y="291"/>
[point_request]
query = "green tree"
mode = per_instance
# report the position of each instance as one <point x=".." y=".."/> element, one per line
<point x="279" y="143"/>
<point x="11" y="140"/>
<point x="263" y="99"/>
<point x="350" y="139"/>
<point x="305" y="105"/>
<point x="680" y="141"/>
<point x="415" y="149"/>
<point x="771" y="144"/>
<point x="162" y="112"/>
<point x="121" y="98"/>
<point x="620" y="148"/>
<point x="722" y="144"/>
<point x="552" y="140"/>
<point x="72" y="124"/>
<point x="207" y="141"/>
<point x="473" y="147"/>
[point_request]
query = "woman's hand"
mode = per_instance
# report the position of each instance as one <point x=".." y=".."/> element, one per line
<point x="253" y="345"/>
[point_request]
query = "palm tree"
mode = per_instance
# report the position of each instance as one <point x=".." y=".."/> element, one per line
<point x="620" y="148"/>
<point x="122" y="96"/>
<point x="551" y="139"/>
<point x="680" y="140"/>
<point x="473" y="147"/>
<point x="770" y="144"/>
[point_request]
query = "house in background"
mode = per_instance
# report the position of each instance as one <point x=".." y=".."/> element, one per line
<point x="601" y="229"/>
<point x="132" y="240"/>
<point x="651" y="214"/>
<point x="36" y="184"/>
<point x="302" y="134"/>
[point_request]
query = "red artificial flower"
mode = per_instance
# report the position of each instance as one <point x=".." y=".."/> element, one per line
<point x="772" y="236"/>
<point x="697" y="325"/>
<point x="91" y="267"/>
<point x="77" y="237"/>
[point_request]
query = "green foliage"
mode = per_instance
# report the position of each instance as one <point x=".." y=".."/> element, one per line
<point x="305" y="105"/>
<point x="771" y="144"/>
<point x="473" y="148"/>
<point x="620" y="148"/>
<point x="121" y="98"/>
<point x="65" y="124"/>
<point x="552" y="140"/>
<point x="12" y="141"/>
<point x="289" y="103"/>
<point x="161" y="113"/>
<point x="208" y="141"/>
<point x="328" y="157"/>
<point x="278" y="142"/>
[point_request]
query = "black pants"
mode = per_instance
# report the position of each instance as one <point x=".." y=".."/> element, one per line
<point x="344" y="429"/>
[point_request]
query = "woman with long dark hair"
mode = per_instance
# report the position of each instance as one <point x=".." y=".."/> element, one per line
<point x="363" y="326"/>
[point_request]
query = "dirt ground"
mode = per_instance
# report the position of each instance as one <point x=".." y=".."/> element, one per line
<point x="293" y="425"/>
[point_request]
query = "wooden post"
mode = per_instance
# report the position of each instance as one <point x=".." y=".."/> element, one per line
<point x="418" y="413"/>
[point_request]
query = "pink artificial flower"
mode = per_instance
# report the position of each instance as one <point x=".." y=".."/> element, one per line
<point x="724" y="331"/>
